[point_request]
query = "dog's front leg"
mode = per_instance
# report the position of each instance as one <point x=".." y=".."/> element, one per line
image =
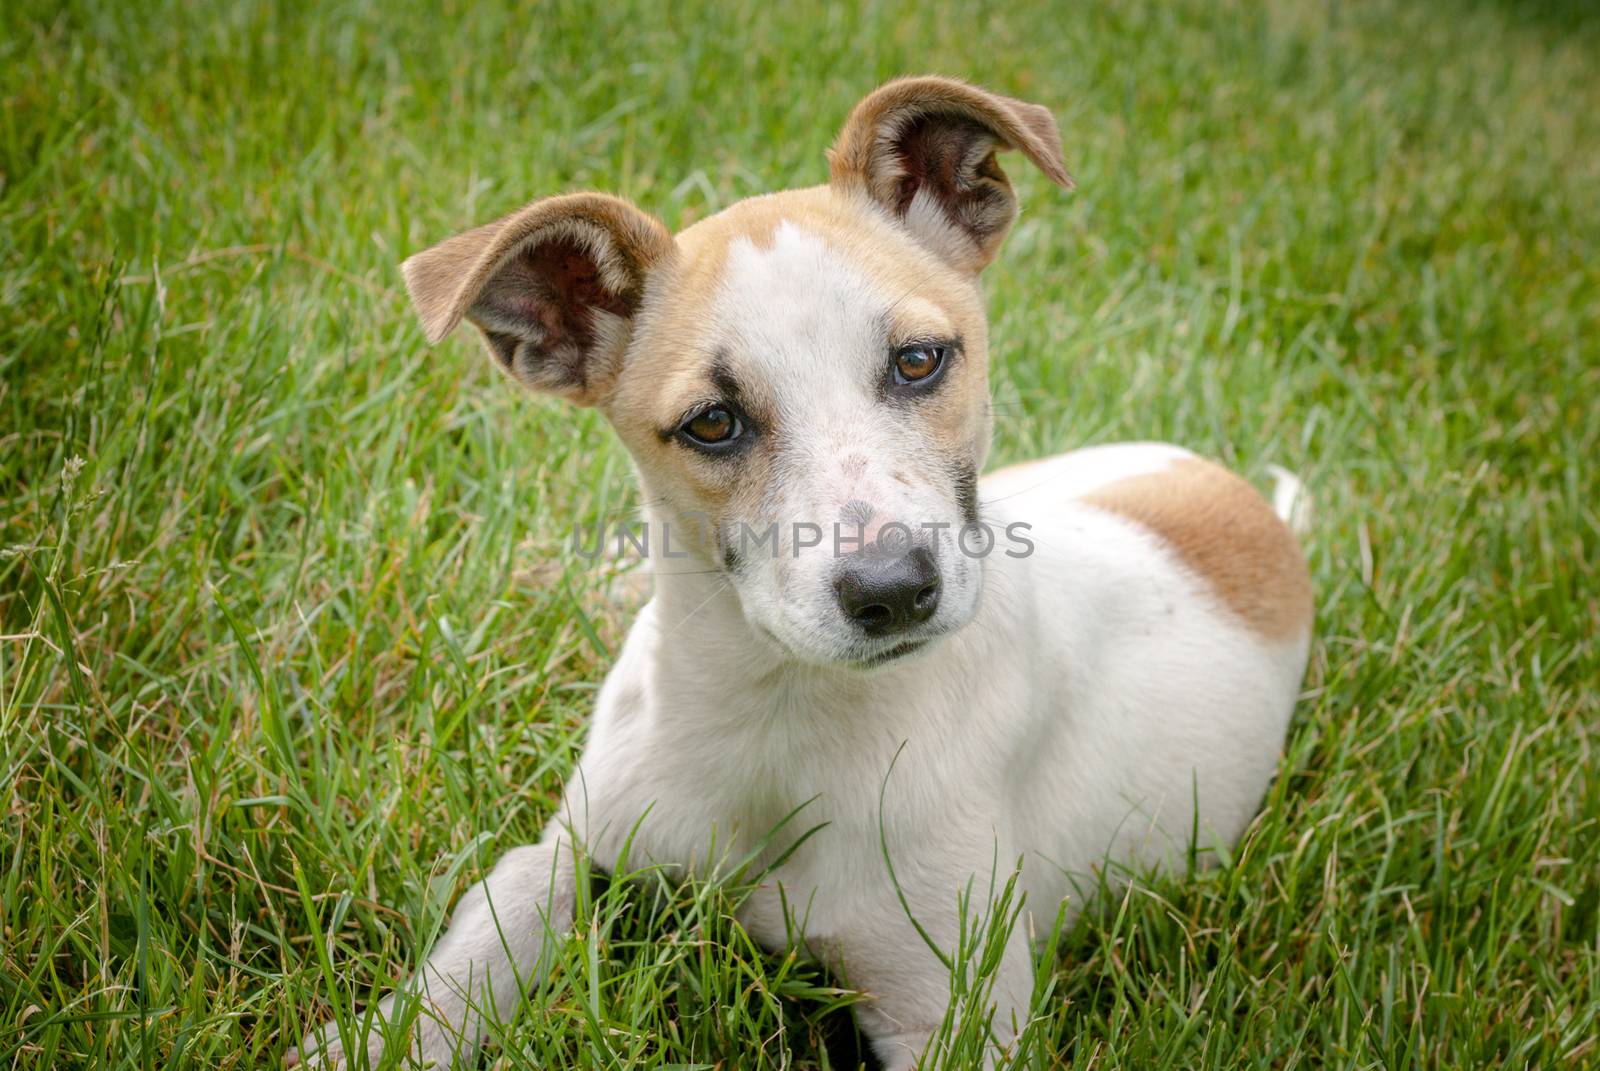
<point x="910" y="986"/>
<point x="500" y="939"/>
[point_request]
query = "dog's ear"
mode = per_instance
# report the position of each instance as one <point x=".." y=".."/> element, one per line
<point x="554" y="288"/>
<point x="924" y="150"/>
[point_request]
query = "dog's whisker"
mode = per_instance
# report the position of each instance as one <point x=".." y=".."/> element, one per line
<point x="701" y="605"/>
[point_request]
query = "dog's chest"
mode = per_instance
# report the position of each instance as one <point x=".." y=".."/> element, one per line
<point x="700" y="786"/>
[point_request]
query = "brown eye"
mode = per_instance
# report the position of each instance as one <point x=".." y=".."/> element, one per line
<point x="716" y="426"/>
<point x="917" y="363"/>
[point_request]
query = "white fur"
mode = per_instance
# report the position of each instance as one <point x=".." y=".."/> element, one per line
<point x="927" y="219"/>
<point x="1082" y="700"/>
<point x="805" y="317"/>
<point x="1289" y="500"/>
<point x="1098" y="692"/>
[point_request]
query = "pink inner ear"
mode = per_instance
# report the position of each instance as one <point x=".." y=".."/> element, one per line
<point x="538" y="312"/>
<point x="905" y="193"/>
<point x="952" y="160"/>
<point x="562" y="289"/>
<point x="931" y="151"/>
<point x="569" y="269"/>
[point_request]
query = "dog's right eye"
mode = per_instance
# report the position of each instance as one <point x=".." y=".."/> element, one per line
<point x="713" y="428"/>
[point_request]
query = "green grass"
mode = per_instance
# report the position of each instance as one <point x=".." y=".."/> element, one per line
<point x="290" y="652"/>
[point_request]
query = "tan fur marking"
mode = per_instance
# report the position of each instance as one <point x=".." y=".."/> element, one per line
<point x="680" y="323"/>
<point x="1020" y="125"/>
<point x="915" y="138"/>
<point x="443" y="280"/>
<point x="678" y="326"/>
<point x="1226" y="532"/>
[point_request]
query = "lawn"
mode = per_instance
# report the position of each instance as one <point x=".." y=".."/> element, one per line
<point x="291" y="648"/>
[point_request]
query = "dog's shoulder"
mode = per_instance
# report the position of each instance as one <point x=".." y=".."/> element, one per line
<point x="1215" y="523"/>
<point x="1225" y="531"/>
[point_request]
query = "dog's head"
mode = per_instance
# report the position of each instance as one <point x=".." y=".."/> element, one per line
<point x="802" y="379"/>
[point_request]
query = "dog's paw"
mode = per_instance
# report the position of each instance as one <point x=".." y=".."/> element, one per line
<point x="432" y="1045"/>
<point x="324" y="1049"/>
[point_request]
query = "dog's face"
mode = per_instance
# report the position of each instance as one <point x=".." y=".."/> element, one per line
<point x="802" y="378"/>
<point x="811" y="381"/>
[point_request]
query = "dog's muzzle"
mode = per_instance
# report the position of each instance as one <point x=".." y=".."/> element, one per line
<point x="885" y="594"/>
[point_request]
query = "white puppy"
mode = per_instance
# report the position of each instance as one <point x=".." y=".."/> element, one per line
<point x="1082" y="660"/>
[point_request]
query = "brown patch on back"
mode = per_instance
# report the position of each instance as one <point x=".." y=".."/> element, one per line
<point x="1226" y="532"/>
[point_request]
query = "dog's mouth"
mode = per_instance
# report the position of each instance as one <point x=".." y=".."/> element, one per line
<point x="871" y="660"/>
<point x="898" y="651"/>
<point x="856" y="653"/>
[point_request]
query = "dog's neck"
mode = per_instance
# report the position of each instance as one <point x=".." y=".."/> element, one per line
<point x="702" y="622"/>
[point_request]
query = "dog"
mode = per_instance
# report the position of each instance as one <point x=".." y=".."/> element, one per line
<point x="802" y="382"/>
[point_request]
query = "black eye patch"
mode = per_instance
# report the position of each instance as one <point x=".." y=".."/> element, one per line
<point x="718" y="426"/>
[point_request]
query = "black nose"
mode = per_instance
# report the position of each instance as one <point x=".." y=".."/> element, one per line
<point x="889" y="593"/>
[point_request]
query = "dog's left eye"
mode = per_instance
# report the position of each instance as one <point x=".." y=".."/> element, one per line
<point x="918" y="364"/>
<point x="716" y="426"/>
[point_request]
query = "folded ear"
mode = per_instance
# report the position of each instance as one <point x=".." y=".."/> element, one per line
<point x="554" y="288"/>
<point x="924" y="149"/>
